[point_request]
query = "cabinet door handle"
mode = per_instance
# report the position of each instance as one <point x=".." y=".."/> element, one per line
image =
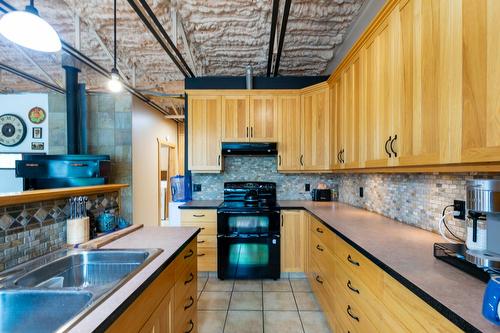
<point x="191" y="328"/>
<point x="201" y="254"/>
<point x="281" y="220"/>
<point x="392" y="148"/>
<point x="251" y="132"/>
<point x="218" y="160"/>
<point x="342" y="155"/>
<point x="279" y="160"/>
<point x="302" y="160"/>
<point x="385" y="147"/>
<point x="198" y="215"/>
<point x="338" y="156"/>
<point x="349" y="312"/>
<point x="319" y="248"/>
<point x="319" y="230"/>
<point x="349" y="258"/>
<point x="191" y="300"/>
<point x="201" y="242"/>
<point x="319" y="279"/>
<point x="191" y="278"/>
<point x="349" y="285"/>
<point x="247" y="131"/>
<point x="190" y="254"/>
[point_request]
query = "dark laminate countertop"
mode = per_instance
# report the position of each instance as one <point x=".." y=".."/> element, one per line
<point x="404" y="252"/>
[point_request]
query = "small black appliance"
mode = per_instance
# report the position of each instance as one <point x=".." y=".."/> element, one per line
<point x="321" y="194"/>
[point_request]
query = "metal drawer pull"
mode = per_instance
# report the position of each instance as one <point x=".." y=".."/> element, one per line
<point x="391" y="145"/>
<point x="201" y="254"/>
<point x="349" y="285"/>
<point x="191" y="278"/>
<point x="385" y="146"/>
<point x="319" y="248"/>
<point x="190" y="254"/>
<point x="191" y="328"/>
<point x="319" y="279"/>
<point x="201" y="242"/>
<point x="349" y="312"/>
<point x="191" y="299"/>
<point x="319" y="230"/>
<point x="199" y="215"/>
<point x="355" y="263"/>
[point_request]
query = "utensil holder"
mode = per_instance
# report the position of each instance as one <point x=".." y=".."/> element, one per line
<point x="77" y="230"/>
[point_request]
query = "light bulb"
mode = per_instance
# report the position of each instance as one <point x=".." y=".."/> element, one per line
<point x="29" y="30"/>
<point x="115" y="85"/>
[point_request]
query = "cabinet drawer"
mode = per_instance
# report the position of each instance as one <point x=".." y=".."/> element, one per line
<point x="353" y="261"/>
<point x="185" y="298"/>
<point x="207" y="228"/>
<point x="198" y="215"/>
<point x="206" y="241"/>
<point x="187" y="279"/>
<point x="185" y="259"/>
<point x="324" y="259"/>
<point x="322" y="232"/>
<point x="207" y="259"/>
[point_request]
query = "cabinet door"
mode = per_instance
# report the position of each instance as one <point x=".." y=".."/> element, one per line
<point x="316" y="130"/>
<point x="350" y="116"/>
<point x="293" y="241"/>
<point x="289" y="133"/>
<point x="263" y="119"/>
<point x="235" y="121"/>
<point x="204" y="130"/>
<point x="337" y="123"/>
<point x="378" y="119"/>
<point x="161" y="320"/>
<point x="480" y="133"/>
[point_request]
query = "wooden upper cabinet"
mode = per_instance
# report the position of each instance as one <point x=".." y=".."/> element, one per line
<point x="316" y="129"/>
<point x="480" y="131"/>
<point x="235" y="119"/>
<point x="204" y="131"/>
<point x="289" y="132"/>
<point x="263" y="118"/>
<point x="336" y="124"/>
<point x="351" y="116"/>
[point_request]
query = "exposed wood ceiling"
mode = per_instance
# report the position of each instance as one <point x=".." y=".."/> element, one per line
<point x="215" y="38"/>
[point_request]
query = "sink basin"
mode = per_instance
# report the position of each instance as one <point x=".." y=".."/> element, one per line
<point x="39" y="310"/>
<point x="85" y="269"/>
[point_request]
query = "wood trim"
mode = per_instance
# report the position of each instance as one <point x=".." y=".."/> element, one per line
<point x="242" y="92"/>
<point x="446" y="168"/>
<point x="7" y="199"/>
<point x="99" y="242"/>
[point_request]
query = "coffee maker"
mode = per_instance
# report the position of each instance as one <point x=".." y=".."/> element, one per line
<point x="483" y="202"/>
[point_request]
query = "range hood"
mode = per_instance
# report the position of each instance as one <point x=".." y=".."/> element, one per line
<point x="249" y="148"/>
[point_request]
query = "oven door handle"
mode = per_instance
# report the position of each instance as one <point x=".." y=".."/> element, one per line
<point x="242" y="236"/>
<point x="268" y="212"/>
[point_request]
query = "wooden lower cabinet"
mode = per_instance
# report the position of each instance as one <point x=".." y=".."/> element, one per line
<point x="206" y="220"/>
<point x="294" y="238"/>
<point x="168" y="304"/>
<point x="357" y="296"/>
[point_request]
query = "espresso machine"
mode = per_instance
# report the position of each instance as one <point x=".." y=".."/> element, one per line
<point x="483" y="203"/>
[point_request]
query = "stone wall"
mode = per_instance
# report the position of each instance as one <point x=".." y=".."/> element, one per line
<point x="415" y="199"/>
<point x="34" y="229"/>
<point x="57" y="124"/>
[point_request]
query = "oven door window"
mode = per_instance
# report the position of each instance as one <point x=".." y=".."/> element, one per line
<point x="248" y="224"/>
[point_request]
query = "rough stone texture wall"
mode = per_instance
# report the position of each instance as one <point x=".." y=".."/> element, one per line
<point x="34" y="229"/>
<point x="415" y="199"/>
<point x="110" y="133"/>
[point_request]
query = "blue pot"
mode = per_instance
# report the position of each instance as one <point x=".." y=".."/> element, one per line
<point x="106" y="222"/>
<point x="122" y="223"/>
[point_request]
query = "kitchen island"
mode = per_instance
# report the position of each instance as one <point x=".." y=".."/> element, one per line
<point x="405" y="253"/>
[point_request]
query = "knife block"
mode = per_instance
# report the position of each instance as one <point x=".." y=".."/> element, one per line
<point x="77" y="230"/>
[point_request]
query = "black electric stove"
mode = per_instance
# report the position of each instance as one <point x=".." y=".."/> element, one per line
<point x="248" y="231"/>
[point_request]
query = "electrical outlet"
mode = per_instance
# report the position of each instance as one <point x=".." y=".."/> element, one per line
<point x="459" y="207"/>
<point x="361" y="192"/>
<point x="307" y="187"/>
<point x="196" y="187"/>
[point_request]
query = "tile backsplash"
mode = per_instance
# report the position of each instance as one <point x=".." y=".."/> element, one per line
<point x="34" y="229"/>
<point x="415" y="199"/>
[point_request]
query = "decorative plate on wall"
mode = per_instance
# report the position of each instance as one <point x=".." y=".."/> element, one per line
<point x="12" y="130"/>
<point x="37" y="115"/>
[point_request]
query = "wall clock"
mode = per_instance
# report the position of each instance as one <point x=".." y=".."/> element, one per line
<point x="12" y="130"/>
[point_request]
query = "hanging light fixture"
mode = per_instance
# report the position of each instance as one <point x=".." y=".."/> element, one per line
<point x="115" y="85"/>
<point x="27" y="29"/>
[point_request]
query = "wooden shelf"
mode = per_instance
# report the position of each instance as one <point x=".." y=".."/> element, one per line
<point x="15" y="198"/>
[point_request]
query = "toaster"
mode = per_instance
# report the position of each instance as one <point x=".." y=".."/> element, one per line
<point x="321" y="194"/>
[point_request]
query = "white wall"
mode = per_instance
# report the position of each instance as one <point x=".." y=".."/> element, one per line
<point x="147" y="126"/>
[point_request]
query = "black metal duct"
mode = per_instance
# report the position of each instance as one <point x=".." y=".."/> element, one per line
<point x="284" y="22"/>
<point x="76" y="112"/>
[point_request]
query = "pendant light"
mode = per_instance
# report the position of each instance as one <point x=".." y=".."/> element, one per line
<point x="27" y="29"/>
<point x="115" y="85"/>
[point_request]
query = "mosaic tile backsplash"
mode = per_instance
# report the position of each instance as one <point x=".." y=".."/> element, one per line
<point x="415" y="199"/>
<point x="34" y="229"/>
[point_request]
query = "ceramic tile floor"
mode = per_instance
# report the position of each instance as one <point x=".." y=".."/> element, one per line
<point x="258" y="306"/>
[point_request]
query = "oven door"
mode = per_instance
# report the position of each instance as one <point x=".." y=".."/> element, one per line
<point x="251" y="222"/>
<point x="248" y="257"/>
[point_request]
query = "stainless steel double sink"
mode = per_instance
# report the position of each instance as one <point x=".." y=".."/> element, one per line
<point x="55" y="291"/>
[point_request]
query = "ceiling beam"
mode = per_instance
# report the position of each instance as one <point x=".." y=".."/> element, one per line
<point x="274" y="20"/>
<point x="31" y="78"/>
<point x="187" y="46"/>
<point x="286" y="12"/>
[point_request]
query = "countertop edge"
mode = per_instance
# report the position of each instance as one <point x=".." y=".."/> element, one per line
<point x="137" y="292"/>
<point x="435" y="304"/>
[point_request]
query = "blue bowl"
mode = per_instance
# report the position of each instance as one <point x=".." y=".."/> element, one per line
<point x="106" y="222"/>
